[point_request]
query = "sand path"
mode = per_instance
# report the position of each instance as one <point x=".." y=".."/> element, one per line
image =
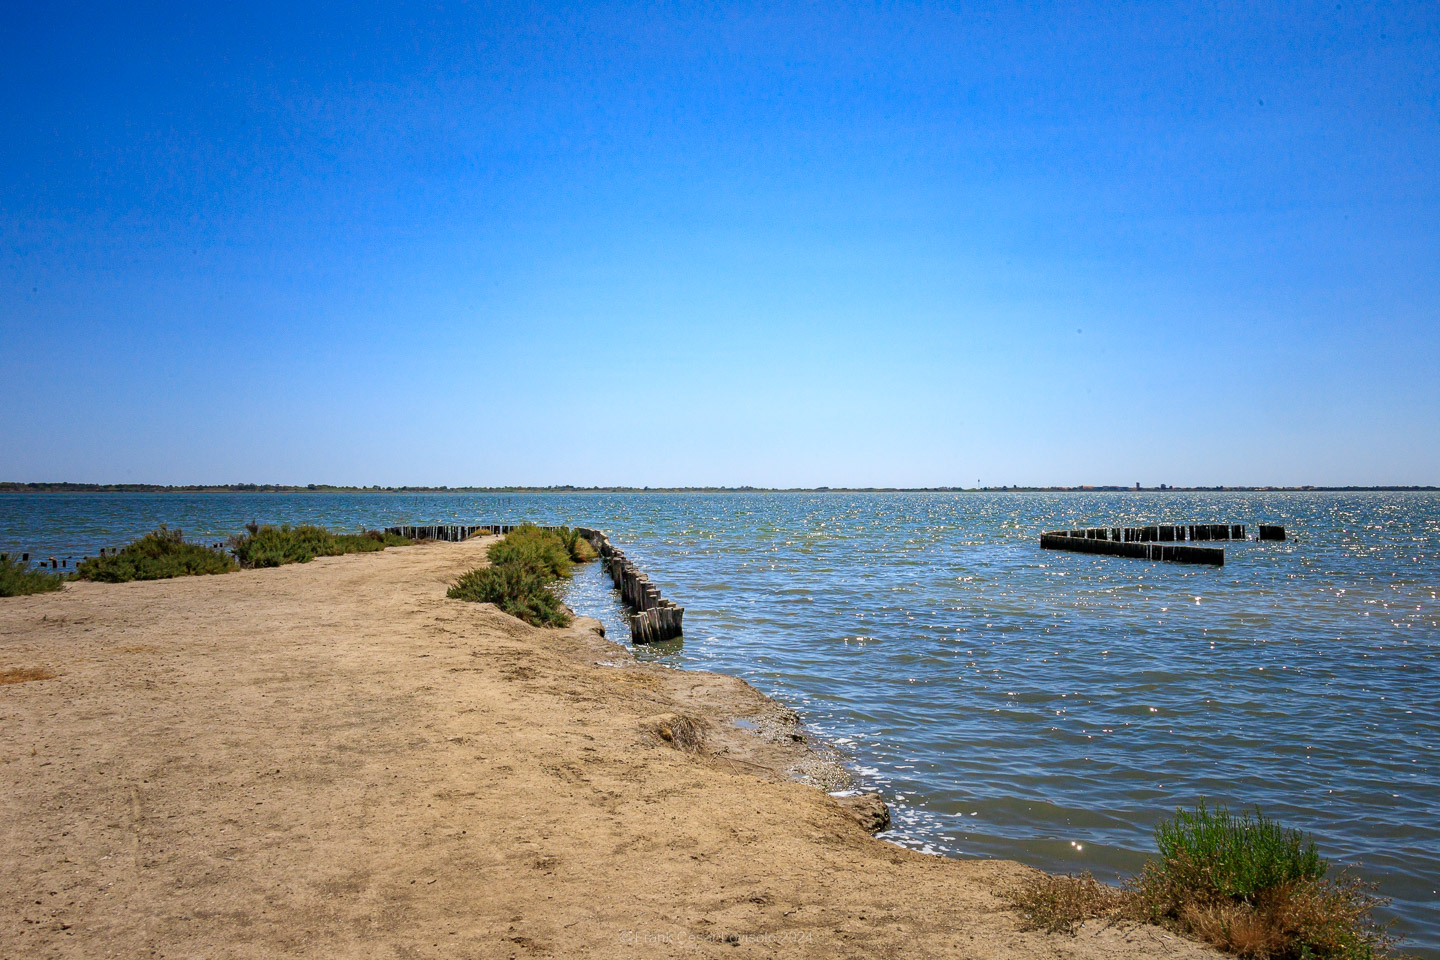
<point x="333" y="760"/>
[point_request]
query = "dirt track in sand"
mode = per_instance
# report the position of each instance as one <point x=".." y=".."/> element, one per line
<point x="333" y="760"/>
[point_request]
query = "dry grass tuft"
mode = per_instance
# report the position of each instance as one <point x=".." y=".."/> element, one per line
<point x="1060" y="904"/>
<point x="680" y="731"/>
<point x="25" y="675"/>
<point x="1233" y="927"/>
<point x="1313" y="918"/>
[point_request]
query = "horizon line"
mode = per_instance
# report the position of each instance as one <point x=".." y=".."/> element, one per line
<point x="76" y="487"/>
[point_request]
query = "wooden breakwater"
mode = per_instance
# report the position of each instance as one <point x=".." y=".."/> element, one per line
<point x="1165" y="542"/>
<point x="1080" y="541"/>
<point x="652" y="618"/>
<point x="449" y="532"/>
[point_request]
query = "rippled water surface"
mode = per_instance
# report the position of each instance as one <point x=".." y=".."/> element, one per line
<point x="1012" y="702"/>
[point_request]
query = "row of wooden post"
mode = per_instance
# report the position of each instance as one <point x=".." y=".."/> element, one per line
<point x="449" y="532"/>
<point x="25" y="558"/>
<point x="1149" y="543"/>
<point x="1170" y="533"/>
<point x="1076" y="542"/>
<point x="48" y="563"/>
<point x="652" y="617"/>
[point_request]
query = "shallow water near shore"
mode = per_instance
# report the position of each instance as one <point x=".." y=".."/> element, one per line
<point x="1009" y="701"/>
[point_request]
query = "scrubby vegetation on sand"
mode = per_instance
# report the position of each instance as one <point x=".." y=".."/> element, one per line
<point x="19" y="579"/>
<point x="164" y="553"/>
<point x="271" y="546"/>
<point x="523" y="565"/>
<point x="25" y="675"/>
<point x="155" y="556"/>
<point x="1242" y="883"/>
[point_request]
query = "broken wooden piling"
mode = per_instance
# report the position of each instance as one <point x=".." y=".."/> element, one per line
<point x="449" y="532"/>
<point x="1135" y="548"/>
<point x="1150" y="543"/>
<point x="652" y="618"/>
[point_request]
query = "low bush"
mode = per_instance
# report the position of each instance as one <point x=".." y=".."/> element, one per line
<point x="156" y="556"/>
<point x="1254" y="888"/>
<point x="1233" y="857"/>
<point x="19" y="579"/>
<point x="523" y="565"/>
<point x="580" y="549"/>
<point x="529" y="546"/>
<point x="271" y="546"/>
<point x="1242" y="883"/>
<point x="369" y="541"/>
<point x="518" y="590"/>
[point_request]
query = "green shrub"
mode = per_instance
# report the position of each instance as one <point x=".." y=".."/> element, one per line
<point x="271" y="546"/>
<point x="528" y="545"/>
<point x="578" y="547"/>
<point x="1234" y="857"/>
<point x="19" y="579"/>
<point x="369" y="541"/>
<point x="1255" y="889"/>
<point x="519" y="590"/>
<point x="1243" y="884"/>
<point x="155" y="556"/>
<point x="523" y="565"/>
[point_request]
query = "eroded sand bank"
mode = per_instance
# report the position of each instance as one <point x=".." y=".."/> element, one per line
<point x="333" y="760"/>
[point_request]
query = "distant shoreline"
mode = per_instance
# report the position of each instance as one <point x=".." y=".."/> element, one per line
<point x="65" y="487"/>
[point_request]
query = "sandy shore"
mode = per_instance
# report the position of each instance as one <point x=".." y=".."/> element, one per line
<point x="333" y="760"/>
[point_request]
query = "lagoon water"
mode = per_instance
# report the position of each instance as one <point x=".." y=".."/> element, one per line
<point x="1009" y="701"/>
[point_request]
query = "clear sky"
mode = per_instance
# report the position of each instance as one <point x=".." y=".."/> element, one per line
<point x="774" y="244"/>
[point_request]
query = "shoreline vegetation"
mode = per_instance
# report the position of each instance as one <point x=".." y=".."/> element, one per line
<point x="10" y="486"/>
<point x="159" y="555"/>
<point x="19" y="579"/>
<point x="1243" y="884"/>
<point x="164" y="554"/>
<point x="524" y="566"/>
<point x="271" y="546"/>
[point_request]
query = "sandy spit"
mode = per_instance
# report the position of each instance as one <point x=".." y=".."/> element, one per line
<point x="334" y="760"/>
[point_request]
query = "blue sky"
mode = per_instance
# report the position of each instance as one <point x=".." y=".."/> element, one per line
<point x="775" y="244"/>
